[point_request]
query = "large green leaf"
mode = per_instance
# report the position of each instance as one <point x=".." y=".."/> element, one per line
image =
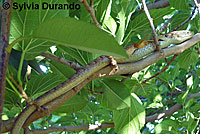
<point x="130" y="120"/>
<point x="25" y="21"/>
<point x="101" y="9"/>
<point x="167" y="126"/>
<point x="61" y="69"/>
<point x="179" y="4"/>
<point x="78" y="34"/>
<point x="141" y="23"/>
<point x="76" y="103"/>
<point x="124" y="12"/>
<point x="187" y="58"/>
<point x="179" y="18"/>
<point x="144" y="89"/>
<point x="39" y="84"/>
<point x="76" y="55"/>
<point x="115" y="94"/>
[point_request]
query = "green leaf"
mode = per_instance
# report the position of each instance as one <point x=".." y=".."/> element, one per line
<point x="182" y="97"/>
<point x="167" y="126"/>
<point x="165" y="76"/>
<point x="144" y="89"/>
<point x="40" y="84"/>
<point x="115" y="94"/>
<point x="130" y="120"/>
<point x="57" y="68"/>
<point x="179" y="4"/>
<point x="178" y="82"/>
<point x="12" y="111"/>
<point x="124" y="12"/>
<point x="198" y="72"/>
<point x="14" y="60"/>
<point x="24" y="22"/>
<point x="72" y="54"/>
<point x="65" y="120"/>
<point x="101" y="9"/>
<point x="187" y="58"/>
<point x="179" y="18"/>
<point x="69" y="32"/>
<point x="121" y="30"/>
<point x="141" y="23"/>
<point x="175" y="72"/>
<point x="91" y="109"/>
<point x="76" y="103"/>
<point x="190" y="123"/>
<point x="111" y="24"/>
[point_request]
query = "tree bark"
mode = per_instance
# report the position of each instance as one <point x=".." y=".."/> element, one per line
<point x="4" y="41"/>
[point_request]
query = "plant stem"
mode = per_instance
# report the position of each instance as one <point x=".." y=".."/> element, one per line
<point x="20" y="68"/>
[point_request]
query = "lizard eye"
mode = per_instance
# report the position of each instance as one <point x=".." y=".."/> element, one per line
<point x="165" y="35"/>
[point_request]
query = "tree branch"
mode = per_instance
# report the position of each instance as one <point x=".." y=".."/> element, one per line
<point x="166" y="67"/>
<point x="155" y="57"/>
<point x="131" y="67"/>
<point x="71" y="128"/>
<point x="155" y="38"/>
<point x="8" y="124"/>
<point x="159" y="4"/>
<point x="4" y="41"/>
<point x="186" y="21"/>
<point x="91" y="11"/>
<point x="197" y="5"/>
<point x="61" y="60"/>
<point x="170" y="111"/>
<point x="66" y="86"/>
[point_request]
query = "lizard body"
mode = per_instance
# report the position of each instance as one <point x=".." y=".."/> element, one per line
<point x="175" y="37"/>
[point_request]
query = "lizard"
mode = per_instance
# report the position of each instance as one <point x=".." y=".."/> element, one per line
<point x="175" y="37"/>
<point x="147" y="47"/>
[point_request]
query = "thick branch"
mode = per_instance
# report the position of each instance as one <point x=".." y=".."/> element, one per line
<point x="66" y="86"/>
<point x="4" y="41"/>
<point x="159" y="4"/>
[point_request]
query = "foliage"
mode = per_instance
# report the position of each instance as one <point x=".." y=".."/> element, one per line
<point x="76" y="38"/>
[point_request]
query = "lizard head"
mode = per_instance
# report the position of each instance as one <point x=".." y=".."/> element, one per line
<point x="176" y="37"/>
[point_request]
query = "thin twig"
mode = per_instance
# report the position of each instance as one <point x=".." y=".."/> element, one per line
<point x="61" y="60"/>
<point x="166" y="67"/>
<point x="186" y="21"/>
<point x="72" y="128"/>
<point x="170" y="111"/>
<point x="91" y="11"/>
<point x="95" y="92"/>
<point x="24" y="95"/>
<point x="197" y="5"/>
<point x="155" y="38"/>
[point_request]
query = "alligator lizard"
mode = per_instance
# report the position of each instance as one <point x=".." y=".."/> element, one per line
<point x="175" y="37"/>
